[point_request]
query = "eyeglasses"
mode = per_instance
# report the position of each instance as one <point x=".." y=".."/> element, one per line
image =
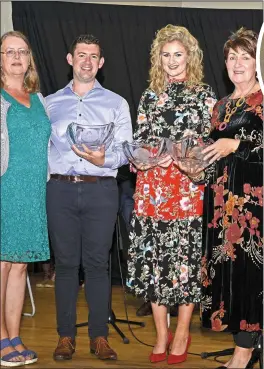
<point x="11" y="53"/>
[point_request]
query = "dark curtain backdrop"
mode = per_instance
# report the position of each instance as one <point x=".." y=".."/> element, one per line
<point x="126" y="33"/>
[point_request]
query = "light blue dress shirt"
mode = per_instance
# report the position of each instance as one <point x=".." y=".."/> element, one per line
<point x="97" y="107"/>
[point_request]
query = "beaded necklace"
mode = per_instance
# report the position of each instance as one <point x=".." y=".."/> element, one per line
<point x="231" y="111"/>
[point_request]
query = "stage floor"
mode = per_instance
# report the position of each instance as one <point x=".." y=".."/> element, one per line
<point x="39" y="334"/>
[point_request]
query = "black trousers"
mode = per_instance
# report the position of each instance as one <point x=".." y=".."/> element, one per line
<point x="81" y="221"/>
<point x="245" y="339"/>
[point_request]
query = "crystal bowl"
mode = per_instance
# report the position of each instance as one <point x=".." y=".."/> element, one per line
<point x="141" y="153"/>
<point x="92" y="136"/>
<point x="188" y="151"/>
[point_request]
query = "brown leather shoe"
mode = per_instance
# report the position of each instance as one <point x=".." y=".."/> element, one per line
<point x="65" y="349"/>
<point x="100" y="347"/>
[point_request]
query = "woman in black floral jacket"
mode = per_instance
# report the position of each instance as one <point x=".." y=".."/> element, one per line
<point x="232" y="262"/>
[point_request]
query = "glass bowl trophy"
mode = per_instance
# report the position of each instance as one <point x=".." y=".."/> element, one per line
<point x="140" y="153"/>
<point x="93" y="137"/>
<point x="188" y="152"/>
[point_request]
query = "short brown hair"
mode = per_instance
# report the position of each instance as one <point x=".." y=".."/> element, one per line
<point x="31" y="79"/>
<point x="86" y="39"/>
<point x="244" y="39"/>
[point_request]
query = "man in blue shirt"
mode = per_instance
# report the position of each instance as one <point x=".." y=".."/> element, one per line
<point x="82" y="197"/>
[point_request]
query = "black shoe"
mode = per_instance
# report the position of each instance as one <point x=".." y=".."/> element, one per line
<point x="145" y="309"/>
<point x="255" y="356"/>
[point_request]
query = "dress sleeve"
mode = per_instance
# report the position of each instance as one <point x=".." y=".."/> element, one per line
<point x="251" y="142"/>
<point x="251" y="149"/>
<point x="141" y="131"/>
<point x="206" y="102"/>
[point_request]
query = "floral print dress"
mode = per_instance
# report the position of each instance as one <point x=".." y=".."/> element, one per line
<point x="166" y="228"/>
<point x="232" y="262"/>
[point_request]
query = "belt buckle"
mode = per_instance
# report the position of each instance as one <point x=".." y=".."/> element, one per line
<point x="77" y="179"/>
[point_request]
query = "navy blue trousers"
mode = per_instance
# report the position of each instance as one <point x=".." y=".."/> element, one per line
<point x="81" y="221"/>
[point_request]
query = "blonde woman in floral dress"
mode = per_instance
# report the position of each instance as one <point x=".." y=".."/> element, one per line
<point x="165" y="252"/>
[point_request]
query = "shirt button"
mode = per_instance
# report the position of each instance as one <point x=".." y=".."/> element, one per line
<point x="80" y="159"/>
<point x="80" y="100"/>
<point x="80" y="115"/>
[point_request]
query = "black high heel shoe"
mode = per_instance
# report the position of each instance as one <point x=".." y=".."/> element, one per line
<point x="258" y="346"/>
<point x="257" y="354"/>
<point x="255" y="357"/>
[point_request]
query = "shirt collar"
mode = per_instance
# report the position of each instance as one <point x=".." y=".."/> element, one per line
<point x="97" y="85"/>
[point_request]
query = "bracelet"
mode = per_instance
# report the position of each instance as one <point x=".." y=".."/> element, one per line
<point x="197" y="178"/>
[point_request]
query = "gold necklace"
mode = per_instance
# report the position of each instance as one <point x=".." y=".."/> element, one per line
<point x="229" y="112"/>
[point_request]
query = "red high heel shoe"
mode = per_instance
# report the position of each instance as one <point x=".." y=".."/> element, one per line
<point x="156" y="358"/>
<point x="176" y="359"/>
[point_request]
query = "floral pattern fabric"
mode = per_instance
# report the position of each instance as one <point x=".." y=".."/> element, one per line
<point x="165" y="251"/>
<point x="232" y="261"/>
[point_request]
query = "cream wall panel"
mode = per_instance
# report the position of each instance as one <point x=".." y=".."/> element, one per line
<point x="237" y="4"/>
<point x="6" y="16"/>
<point x="223" y="4"/>
<point x="138" y="3"/>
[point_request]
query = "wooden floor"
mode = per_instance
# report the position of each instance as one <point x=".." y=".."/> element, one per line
<point x="39" y="334"/>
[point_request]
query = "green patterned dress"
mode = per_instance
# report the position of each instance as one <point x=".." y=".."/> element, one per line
<point x="24" y="235"/>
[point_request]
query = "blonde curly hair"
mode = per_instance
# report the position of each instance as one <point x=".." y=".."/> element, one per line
<point x="170" y="33"/>
<point x="31" y="79"/>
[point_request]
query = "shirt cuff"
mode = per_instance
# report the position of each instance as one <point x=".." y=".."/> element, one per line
<point x="110" y="160"/>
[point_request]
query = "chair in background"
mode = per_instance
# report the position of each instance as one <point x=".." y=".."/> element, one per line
<point x="33" y="307"/>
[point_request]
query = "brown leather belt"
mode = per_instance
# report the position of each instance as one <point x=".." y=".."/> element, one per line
<point x="76" y="179"/>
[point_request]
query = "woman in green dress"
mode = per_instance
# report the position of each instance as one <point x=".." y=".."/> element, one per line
<point x="25" y="131"/>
